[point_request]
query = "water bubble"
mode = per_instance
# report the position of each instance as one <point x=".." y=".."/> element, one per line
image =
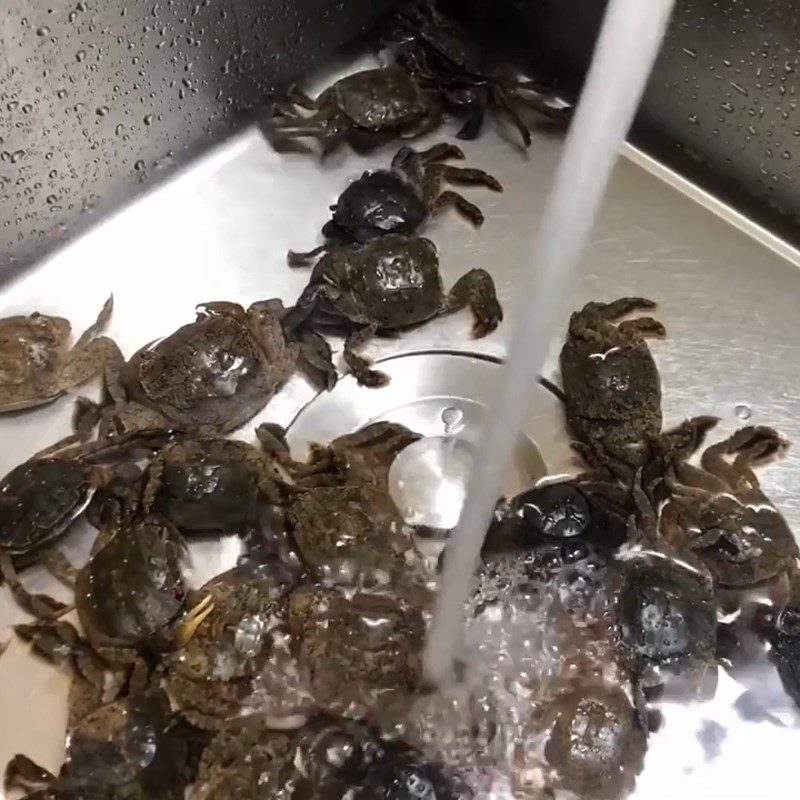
<point x="452" y="418"/>
<point x="743" y="412"/>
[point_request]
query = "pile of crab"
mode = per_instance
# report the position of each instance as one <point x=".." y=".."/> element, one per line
<point x="297" y="672"/>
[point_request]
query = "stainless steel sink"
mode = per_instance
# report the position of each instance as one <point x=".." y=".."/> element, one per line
<point x="727" y="292"/>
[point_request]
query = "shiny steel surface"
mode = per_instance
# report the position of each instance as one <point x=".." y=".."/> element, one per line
<point x="100" y="99"/>
<point x="728" y="296"/>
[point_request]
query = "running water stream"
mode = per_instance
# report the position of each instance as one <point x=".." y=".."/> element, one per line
<point x="628" y="44"/>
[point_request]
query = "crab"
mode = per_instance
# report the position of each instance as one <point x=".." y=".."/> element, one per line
<point x="400" y="199"/>
<point x="595" y="742"/>
<point x="357" y="651"/>
<point x="389" y="284"/>
<point x="131" y="590"/>
<point x="443" y="57"/>
<point x="610" y="379"/>
<point x="213" y="374"/>
<point x="612" y="392"/>
<point x="720" y="513"/>
<point x="210" y="485"/>
<point x="784" y="639"/>
<point x="570" y="515"/>
<point x="41" y="498"/>
<point x="327" y="758"/>
<point x="234" y="659"/>
<point x="367" y="108"/>
<point x="360" y="458"/>
<point x="36" y="364"/>
<point x="664" y="613"/>
<point x="351" y="534"/>
<point x="134" y="747"/>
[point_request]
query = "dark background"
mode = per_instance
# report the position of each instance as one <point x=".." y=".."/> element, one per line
<point x="102" y="98"/>
<point x="722" y="103"/>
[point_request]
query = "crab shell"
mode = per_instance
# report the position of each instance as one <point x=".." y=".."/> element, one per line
<point x="39" y="500"/>
<point x="218" y="371"/>
<point x="378" y="99"/>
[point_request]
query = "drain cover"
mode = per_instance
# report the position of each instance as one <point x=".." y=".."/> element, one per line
<point x="444" y="397"/>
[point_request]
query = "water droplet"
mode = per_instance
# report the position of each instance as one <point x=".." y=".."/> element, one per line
<point x="689" y="52"/>
<point x="739" y="88"/>
<point x="52" y="174"/>
<point x="148" y="119"/>
<point x="693" y="119"/>
<point x="101" y="111"/>
<point x="743" y="412"/>
<point x="17" y="155"/>
<point x="61" y="94"/>
<point x="43" y="31"/>
<point x="139" y="165"/>
<point x="51" y="199"/>
<point x="80" y="55"/>
<point x="727" y="107"/>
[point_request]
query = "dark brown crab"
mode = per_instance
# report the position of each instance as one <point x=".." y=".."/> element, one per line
<point x="132" y="748"/>
<point x="131" y="590"/>
<point x="595" y="745"/>
<point x="214" y="373"/>
<point x="389" y="284"/>
<point x="400" y="199"/>
<point x="360" y="458"/>
<point x="611" y="383"/>
<point x="721" y="514"/>
<point x="209" y="484"/>
<point x="36" y="364"/>
<point x="612" y="393"/>
<point x="664" y="613"/>
<point x="352" y="535"/>
<point x="41" y="498"/>
<point x="367" y="109"/>
<point x="235" y="661"/>
<point x="443" y="57"/>
<point x="357" y="651"/>
<point x="328" y="758"/>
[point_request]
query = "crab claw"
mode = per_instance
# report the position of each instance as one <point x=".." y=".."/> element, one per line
<point x="192" y="620"/>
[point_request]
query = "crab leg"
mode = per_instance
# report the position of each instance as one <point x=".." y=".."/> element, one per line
<point x="40" y="605"/>
<point x="360" y="367"/>
<point x="58" y="565"/>
<point x="23" y="773"/>
<point x="461" y="204"/>
<point x="476" y="290"/>
<point x="295" y="259"/>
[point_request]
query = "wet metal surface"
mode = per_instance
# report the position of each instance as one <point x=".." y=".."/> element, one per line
<point x="100" y="99"/>
<point x="727" y="295"/>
